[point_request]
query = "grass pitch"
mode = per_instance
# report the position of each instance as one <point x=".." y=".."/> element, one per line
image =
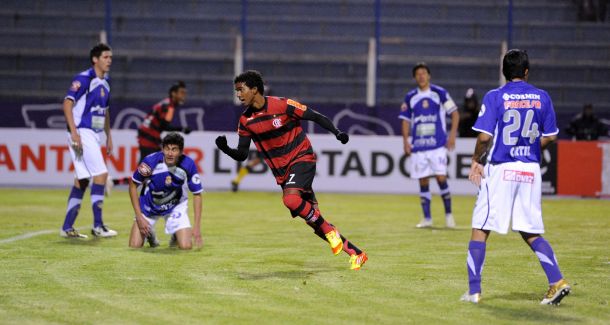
<point x="260" y="266"/>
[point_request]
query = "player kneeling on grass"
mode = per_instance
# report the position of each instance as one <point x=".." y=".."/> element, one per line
<point x="273" y="123"/>
<point x="165" y="176"/>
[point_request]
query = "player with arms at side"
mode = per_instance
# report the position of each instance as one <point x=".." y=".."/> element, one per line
<point x="87" y="112"/>
<point x="423" y="119"/>
<point x="166" y="176"/>
<point x="157" y="121"/>
<point x="516" y="122"/>
<point x="273" y="123"/>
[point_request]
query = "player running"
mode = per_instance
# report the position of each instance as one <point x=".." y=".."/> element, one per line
<point x="517" y="121"/>
<point x="273" y="123"/>
<point x="166" y="175"/>
<point x="87" y="112"/>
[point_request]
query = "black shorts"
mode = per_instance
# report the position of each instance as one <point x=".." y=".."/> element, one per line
<point x="300" y="176"/>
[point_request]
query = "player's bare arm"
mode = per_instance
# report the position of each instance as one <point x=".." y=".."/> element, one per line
<point x="406" y="130"/>
<point x="135" y="203"/>
<point x="75" y="137"/>
<point x="455" y="121"/>
<point x="109" y="145"/>
<point x="323" y="121"/>
<point x="239" y="154"/>
<point x="545" y="141"/>
<point x="197" y="207"/>
<point x="478" y="158"/>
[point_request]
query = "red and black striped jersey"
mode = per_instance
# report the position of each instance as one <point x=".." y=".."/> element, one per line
<point x="149" y="132"/>
<point x="277" y="133"/>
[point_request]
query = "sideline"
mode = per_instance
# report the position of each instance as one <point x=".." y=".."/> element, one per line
<point x="32" y="234"/>
<point x="26" y="236"/>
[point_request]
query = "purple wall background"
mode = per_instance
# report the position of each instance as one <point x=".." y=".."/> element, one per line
<point x="354" y="119"/>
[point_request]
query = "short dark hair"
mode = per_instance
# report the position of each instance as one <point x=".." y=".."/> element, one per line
<point x="252" y="78"/>
<point x="420" y="65"/>
<point x="173" y="138"/>
<point x="97" y="50"/>
<point x="514" y="64"/>
<point x="177" y="85"/>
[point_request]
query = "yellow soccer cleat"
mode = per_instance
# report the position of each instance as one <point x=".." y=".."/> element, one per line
<point x="334" y="239"/>
<point x="356" y="261"/>
<point x="556" y="292"/>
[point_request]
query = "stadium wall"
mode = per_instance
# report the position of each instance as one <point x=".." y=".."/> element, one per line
<point x="39" y="157"/>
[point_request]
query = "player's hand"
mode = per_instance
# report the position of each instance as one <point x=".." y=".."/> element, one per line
<point x="343" y="137"/>
<point x="221" y="143"/>
<point x="109" y="146"/>
<point x="477" y="173"/>
<point x="76" y="145"/>
<point x="197" y="237"/>
<point x="186" y="130"/>
<point x="143" y="225"/>
<point x="407" y="148"/>
<point x="450" y="143"/>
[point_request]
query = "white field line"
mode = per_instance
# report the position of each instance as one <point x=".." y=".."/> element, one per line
<point x="29" y="235"/>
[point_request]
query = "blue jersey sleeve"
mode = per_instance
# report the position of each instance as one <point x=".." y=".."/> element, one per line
<point x="406" y="110"/>
<point x="78" y="88"/>
<point x="194" y="180"/>
<point x="488" y="115"/>
<point x="549" y="123"/>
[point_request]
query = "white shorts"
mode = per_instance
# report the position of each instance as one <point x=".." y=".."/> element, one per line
<point x="92" y="162"/>
<point x="510" y="190"/>
<point x="428" y="162"/>
<point x="175" y="220"/>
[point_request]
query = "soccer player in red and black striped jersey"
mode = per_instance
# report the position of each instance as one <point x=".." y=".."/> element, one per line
<point x="159" y="119"/>
<point x="273" y="123"/>
<point x="155" y="123"/>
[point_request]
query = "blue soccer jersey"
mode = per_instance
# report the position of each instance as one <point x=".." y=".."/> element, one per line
<point x="91" y="96"/>
<point x="517" y="115"/>
<point x="426" y="111"/>
<point x="165" y="186"/>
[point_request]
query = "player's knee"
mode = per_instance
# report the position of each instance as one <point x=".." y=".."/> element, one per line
<point x="292" y="201"/>
<point x="185" y="245"/>
<point x="83" y="183"/>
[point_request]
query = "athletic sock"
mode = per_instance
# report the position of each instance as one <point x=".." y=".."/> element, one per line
<point x="97" y="201"/>
<point x="350" y="248"/>
<point x="425" y="196"/>
<point x="74" y="201"/>
<point x="474" y="262"/>
<point x="243" y="171"/>
<point x="545" y="254"/>
<point x="446" y="195"/>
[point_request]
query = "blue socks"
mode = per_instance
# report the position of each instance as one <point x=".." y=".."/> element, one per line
<point x="474" y="262"/>
<point x="425" y="196"/>
<point x="545" y="254"/>
<point x="446" y="196"/>
<point x="97" y="201"/>
<point x="74" y="201"/>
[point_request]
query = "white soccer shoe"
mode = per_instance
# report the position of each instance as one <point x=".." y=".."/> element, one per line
<point x="424" y="223"/>
<point x="449" y="221"/>
<point x="104" y="232"/>
<point x="473" y="298"/>
<point x="72" y="233"/>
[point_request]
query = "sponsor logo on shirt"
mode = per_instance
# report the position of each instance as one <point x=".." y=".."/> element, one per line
<point x="296" y="104"/>
<point x="144" y="170"/>
<point x="516" y="101"/>
<point x="75" y="85"/>
<point x="518" y="176"/>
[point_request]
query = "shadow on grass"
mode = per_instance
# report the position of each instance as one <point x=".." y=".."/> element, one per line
<point x="537" y="313"/>
<point x="294" y="274"/>
<point x="82" y="241"/>
<point x="444" y="228"/>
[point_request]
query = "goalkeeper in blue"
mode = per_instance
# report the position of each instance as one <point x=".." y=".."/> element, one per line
<point x="515" y="124"/>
